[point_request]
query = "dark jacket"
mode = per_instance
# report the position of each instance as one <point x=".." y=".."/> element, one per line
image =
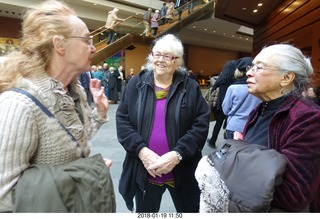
<point x="84" y="185"/>
<point x="294" y="132"/>
<point x="225" y="79"/>
<point x="187" y="124"/>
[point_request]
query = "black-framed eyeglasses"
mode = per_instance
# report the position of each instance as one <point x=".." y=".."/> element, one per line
<point x="88" y="39"/>
<point x="166" y="56"/>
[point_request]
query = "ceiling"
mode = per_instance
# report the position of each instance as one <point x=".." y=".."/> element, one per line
<point x="230" y="28"/>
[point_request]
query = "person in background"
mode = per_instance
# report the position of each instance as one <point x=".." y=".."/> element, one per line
<point x="84" y="79"/>
<point x="146" y="22"/>
<point x="192" y="75"/>
<point x="169" y="13"/>
<point x="131" y="74"/>
<point x="99" y="74"/>
<point x="179" y="7"/>
<point x="213" y="80"/>
<point x="225" y="79"/>
<point x="113" y="85"/>
<point x="121" y="82"/>
<point x="310" y="95"/>
<point x="163" y="13"/>
<point x="112" y="20"/>
<point x="154" y="23"/>
<point x="104" y="82"/>
<point x="190" y="6"/>
<point x="238" y="103"/>
<point x="47" y="66"/>
<point x="162" y="123"/>
<point x="286" y="122"/>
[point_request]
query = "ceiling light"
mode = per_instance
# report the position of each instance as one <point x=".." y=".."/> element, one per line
<point x="255" y="11"/>
<point x="260" y="4"/>
<point x="205" y="29"/>
<point x="243" y="9"/>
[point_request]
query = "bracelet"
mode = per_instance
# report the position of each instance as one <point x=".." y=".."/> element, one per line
<point x="179" y="156"/>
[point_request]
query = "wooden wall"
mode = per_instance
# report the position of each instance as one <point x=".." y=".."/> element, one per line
<point x="296" y="22"/>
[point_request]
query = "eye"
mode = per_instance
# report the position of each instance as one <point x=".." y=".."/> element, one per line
<point x="167" y="56"/>
<point x="156" y="55"/>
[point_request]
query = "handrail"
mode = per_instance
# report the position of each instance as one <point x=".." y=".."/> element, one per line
<point x="131" y="28"/>
<point x="135" y="25"/>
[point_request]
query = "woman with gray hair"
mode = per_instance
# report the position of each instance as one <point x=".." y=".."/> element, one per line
<point x="162" y="123"/>
<point x="286" y="122"/>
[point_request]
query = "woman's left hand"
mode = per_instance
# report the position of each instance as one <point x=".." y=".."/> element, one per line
<point x="99" y="98"/>
<point x="165" y="163"/>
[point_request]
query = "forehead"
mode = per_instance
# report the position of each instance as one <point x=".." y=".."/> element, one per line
<point x="79" y="27"/>
<point x="265" y="57"/>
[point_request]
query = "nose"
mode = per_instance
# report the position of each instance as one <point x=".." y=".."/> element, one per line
<point x="249" y="73"/>
<point x="161" y="57"/>
<point x="93" y="49"/>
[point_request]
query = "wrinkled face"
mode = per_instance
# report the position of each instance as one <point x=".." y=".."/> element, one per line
<point x="164" y="63"/>
<point x="264" y="78"/>
<point x="79" y="48"/>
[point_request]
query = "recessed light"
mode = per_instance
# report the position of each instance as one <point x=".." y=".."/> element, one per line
<point x="255" y="11"/>
<point x="260" y="4"/>
<point x="205" y="29"/>
<point x="243" y="9"/>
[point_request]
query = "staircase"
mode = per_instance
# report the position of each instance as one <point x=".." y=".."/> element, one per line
<point x="129" y="31"/>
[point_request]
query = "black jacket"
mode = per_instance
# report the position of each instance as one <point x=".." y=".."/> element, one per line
<point x="187" y="124"/>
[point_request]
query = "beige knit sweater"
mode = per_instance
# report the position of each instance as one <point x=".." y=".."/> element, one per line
<point x="29" y="136"/>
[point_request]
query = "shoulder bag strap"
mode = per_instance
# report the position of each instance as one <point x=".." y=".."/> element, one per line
<point x="44" y="109"/>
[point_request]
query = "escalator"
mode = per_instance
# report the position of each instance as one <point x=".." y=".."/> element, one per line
<point x="129" y="31"/>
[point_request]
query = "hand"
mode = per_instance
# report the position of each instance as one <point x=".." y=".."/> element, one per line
<point x="107" y="162"/>
<point x="99" y="98"/>
<point x="148" y="157"/>
<point x="165" y="163"/>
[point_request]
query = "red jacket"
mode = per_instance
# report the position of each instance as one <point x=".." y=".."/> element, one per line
<point x="294" y="131"/>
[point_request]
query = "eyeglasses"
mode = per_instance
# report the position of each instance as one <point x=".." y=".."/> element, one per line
<point x="166" y="56"/>
<point x="88" y="39"/>
<point x="255" y="68"/>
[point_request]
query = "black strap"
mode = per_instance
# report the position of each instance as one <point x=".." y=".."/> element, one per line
<point x="44" y="109"/>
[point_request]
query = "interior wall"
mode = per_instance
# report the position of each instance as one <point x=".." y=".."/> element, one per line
<point x="10" y="27"/>
<point x="208" y="61"/>
<point x="136" y="58"/>
<point x="295" y="22"/>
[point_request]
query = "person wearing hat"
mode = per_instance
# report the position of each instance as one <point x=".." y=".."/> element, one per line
<point x="238" y="103"/>
<point x="154" y="23"/>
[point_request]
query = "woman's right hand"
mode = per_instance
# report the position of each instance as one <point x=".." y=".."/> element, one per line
<point x="148" y="157"/>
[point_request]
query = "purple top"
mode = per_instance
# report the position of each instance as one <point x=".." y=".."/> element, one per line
<point x="158" y="140"/>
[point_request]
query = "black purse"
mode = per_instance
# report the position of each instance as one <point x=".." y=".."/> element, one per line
<point x="248" y="175"/>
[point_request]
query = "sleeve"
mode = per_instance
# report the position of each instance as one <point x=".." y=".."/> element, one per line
<point x="18" y="140"/>
<point x="126" y="121"/>
<point x="227" y="102"/>
<point x="195" y="124"/>
<point x="299" y="143"/>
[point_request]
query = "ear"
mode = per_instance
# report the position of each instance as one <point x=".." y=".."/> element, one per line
<point x="287" y="79"/>
<point x="58" y="44"/>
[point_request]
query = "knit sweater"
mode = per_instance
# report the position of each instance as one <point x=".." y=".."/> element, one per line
<point x="28" y="136"/>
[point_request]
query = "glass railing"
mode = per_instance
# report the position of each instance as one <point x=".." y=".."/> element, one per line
<point x="134" y="25"/>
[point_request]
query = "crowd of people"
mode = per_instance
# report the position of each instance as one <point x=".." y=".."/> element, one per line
<point x="162" y="118"/>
